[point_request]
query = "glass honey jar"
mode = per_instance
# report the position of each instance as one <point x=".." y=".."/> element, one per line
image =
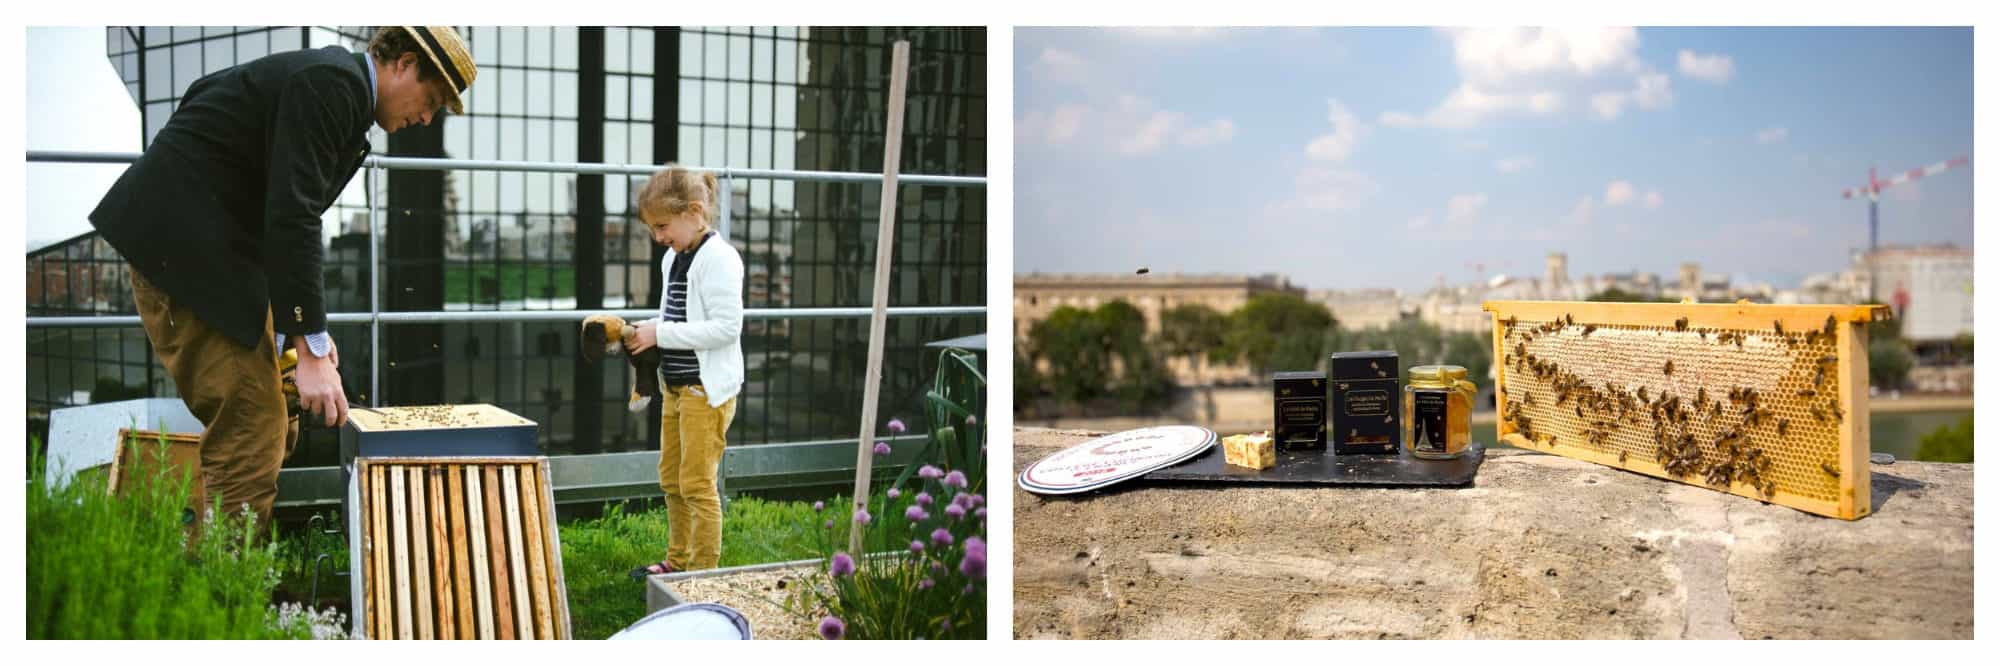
<point x="1437" y="412"/>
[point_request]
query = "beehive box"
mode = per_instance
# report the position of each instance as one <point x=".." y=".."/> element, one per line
<point x="140" y="452"/>
<point x="457" y="548"/>
<point x="1768" y="402"/>
<point x="436" y="430"/>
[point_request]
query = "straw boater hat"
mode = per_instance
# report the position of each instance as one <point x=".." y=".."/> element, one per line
<point x="447" y="51"/>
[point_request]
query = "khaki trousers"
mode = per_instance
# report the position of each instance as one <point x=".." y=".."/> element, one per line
<point x="692" y="436"/>
<point x="232" y="390"/>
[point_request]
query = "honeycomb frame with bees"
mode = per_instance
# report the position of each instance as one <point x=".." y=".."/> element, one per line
<point x="1768" y="402"/>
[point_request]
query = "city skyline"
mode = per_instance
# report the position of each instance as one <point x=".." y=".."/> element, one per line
<point x="1370" y="158"/>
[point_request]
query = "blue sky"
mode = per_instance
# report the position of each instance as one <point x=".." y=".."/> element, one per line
<point x="1349" y="158"/>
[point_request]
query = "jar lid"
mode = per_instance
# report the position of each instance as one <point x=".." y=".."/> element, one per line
<point x="1437" y="373"/>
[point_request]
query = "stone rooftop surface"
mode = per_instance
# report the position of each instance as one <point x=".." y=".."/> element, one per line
<point x="1540" y="546"/>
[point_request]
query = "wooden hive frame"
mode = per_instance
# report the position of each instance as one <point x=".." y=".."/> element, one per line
<point x="457" y="548"/>
<point x="1761" y="402"/>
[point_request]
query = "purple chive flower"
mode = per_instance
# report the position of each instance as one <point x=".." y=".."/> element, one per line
<point x="819" y="506"/>
<point x="896" y="426"/>
<point x="832" y="628"/>
<point x="930" y="472"/>
<point x="980" y="513"/>
<point x="972" y="420"/>
<point x="941" y="536"/>
<point x="916" y="546"/>
<point x="974" y="564"/>
<point x="841" y="565"/>
<point x="895" y="493"/>
<point x="947" y="625"/>
<point x="829" y="523"/>
<point x="916" y="514"/>
<point x="925" y="584"/>
<point x="861" y="517"/>
<point x="955" y="511"/>
<point x="923" y="499"/>
<point x="881" y="448"/>
<point x="971" y="588"/>
<point x="973" y="543"/>
<point x="962" y="500"/>
<point x="955" y="478"/>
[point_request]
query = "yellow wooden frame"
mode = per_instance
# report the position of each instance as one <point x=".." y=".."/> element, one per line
<point x="1851" y="348"/>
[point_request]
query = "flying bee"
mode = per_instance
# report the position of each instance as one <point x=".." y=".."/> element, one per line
<point x="1830" y="469"/>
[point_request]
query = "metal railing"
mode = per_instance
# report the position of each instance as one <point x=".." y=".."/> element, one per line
<point x="375" y="317"/>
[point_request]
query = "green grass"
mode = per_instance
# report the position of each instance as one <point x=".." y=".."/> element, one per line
<point x="103" y="567"/>
<point x="598" y="553"/>
<point x="465" y="284"/>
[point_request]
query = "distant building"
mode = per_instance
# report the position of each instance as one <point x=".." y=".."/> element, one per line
<point x="1037" y="294"/>
<point x="1361" y="308"/>
<point x="1930" y="288"/>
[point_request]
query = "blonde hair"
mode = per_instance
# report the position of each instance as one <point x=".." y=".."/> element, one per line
<point x="676" y="190"/>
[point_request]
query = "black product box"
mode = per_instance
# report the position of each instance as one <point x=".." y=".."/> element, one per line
<point x="1299" y="415"/>
<point x="1364" y="402"/>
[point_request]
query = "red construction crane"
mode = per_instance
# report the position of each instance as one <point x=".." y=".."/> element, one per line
<point x="1875" y="195"/>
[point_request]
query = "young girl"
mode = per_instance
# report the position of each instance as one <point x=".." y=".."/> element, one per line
<point x="699" y="334"/>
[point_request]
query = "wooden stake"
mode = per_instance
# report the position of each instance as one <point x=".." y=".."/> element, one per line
<point x="447" y="615"/>
<point x="885" y="237"/>
<point x="461" y="568"/>
<point x="538" y="575"/>
<point x="496" y="539"/>
<point x="420" y="553"/>
<point x="400" y="543"/>
<point x="525" y="625"/>
<point x="481" y="573"/>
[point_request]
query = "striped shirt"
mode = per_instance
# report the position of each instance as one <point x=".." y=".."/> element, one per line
<point x="679" y="367"/>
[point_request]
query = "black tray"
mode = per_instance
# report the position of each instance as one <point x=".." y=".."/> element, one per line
<point x="1320" y="467"/>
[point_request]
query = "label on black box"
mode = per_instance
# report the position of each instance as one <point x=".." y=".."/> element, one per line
<point x="1428" y="410"/>
<point x="1366" y="403"/>
<point x="1301" y="411"/>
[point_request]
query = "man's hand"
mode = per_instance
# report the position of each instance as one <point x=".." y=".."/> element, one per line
<point x="641" y="339"/>
<point x="319" y="385"/>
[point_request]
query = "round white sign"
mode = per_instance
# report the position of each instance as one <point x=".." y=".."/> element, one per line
<point x="1113" y="458"/>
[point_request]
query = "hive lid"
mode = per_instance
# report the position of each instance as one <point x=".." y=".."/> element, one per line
<point x="1113" y="458"/>
<point x="433" y="417"/>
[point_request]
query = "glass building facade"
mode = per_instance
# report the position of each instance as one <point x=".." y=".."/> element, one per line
<point x="780" y="98"/>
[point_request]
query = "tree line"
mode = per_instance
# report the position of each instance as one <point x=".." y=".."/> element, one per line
<point x="1079" y="357"/>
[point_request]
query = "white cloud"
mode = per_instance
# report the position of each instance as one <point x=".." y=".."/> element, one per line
<point x="1651" y="91"/>
<point x="1419" y="222"/>
<point x="1336" y="146"/>
<point x="1053" y="127"/>
<point x="1653" y="199"/>
<point x="1333" y="189"/>
<point x="1219" y="131"/>
<point x="1062" y="66"/>
<point x="1176" y="33"/>
<point x="1507" y="71"/>
<point x="1514" y="164"/>
<point x="1151" y="133"/>
<point x="1464" y="208"/>
<point x="1617" y="193"/>
<point x="1711" y="68"/>
<point x="1583" y="213"/>
<point x="1773" y="135"/>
